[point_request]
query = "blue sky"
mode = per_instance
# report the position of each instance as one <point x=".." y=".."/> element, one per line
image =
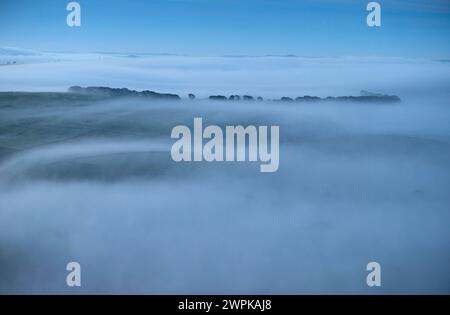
<point x="410" y="28"/>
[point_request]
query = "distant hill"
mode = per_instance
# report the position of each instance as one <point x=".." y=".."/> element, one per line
<point x="122" y="92"/>
<point x="100" y="91"/>
<point x="364" y="97"/>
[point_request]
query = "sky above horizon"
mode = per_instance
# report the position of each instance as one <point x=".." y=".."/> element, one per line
<point x="410" y="28"/>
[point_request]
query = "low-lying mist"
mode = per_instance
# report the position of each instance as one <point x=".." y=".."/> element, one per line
<point x="95" y="183"/>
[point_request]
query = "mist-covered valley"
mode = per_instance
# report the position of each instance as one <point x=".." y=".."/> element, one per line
<point x="93" y="181"/>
